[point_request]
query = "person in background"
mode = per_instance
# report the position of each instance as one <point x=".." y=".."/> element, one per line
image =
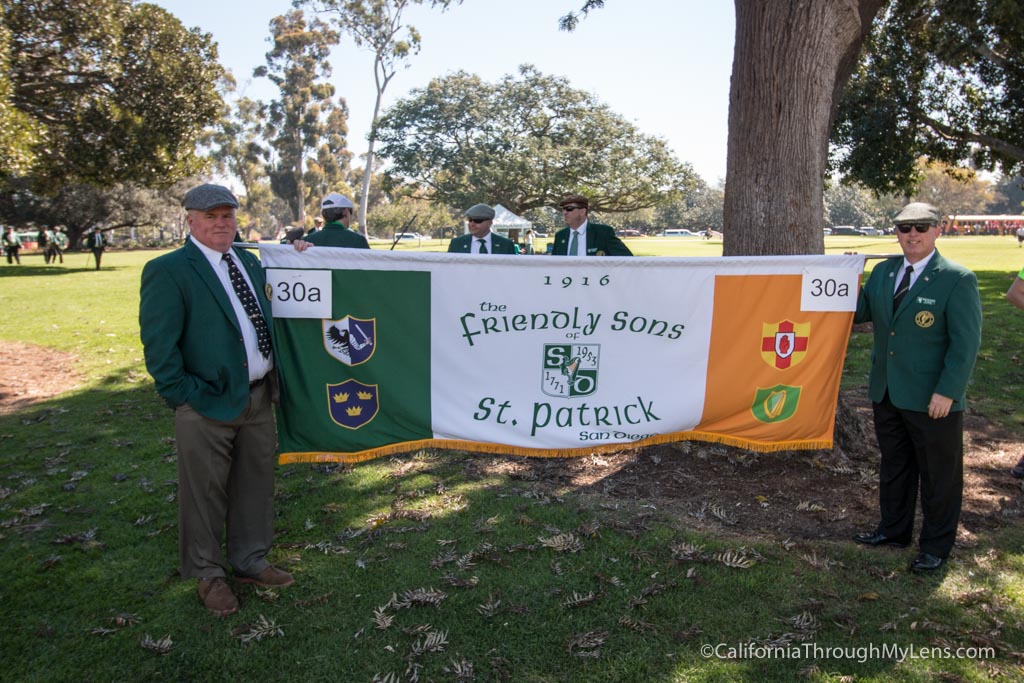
<point x="583" y="238"/>
<point x="207" y="335"/>
<point x="58" y="244"/>
<point x="43" y="243"/>
<point x="926" y="314"/>
<point x="97" y="243"/>
<point x="318" y="225"/>
<point x="529" y="241"/>
<point x="1015" y="295"/>
<point x="480" y="239"/>
<point x="337" y="210"/>
<point x="12" y="245"/>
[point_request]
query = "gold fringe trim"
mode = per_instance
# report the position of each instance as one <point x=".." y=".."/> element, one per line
<point x="503" y="449"/>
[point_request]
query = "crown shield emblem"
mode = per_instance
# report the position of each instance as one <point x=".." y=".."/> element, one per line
<point x="352" y="404"/>
<point x="350" y="340"/>
<point x="784" y="344"/>
<point x="570" y="370"/>
<point x="775" y="404"/>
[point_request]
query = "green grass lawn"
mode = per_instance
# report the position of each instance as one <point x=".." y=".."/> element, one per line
<point x="420" y="568"/>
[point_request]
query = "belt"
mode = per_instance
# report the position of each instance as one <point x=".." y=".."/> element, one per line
<point x="258" y="382"/>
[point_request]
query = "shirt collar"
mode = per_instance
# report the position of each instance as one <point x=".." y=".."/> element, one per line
<point x="213" y="256"/>
<point x="920" y="265"/>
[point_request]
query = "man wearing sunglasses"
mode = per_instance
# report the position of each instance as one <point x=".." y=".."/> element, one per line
<point x="926" y="313"/>
<point x="583" y="238"/>
<point x="480" y="239"/>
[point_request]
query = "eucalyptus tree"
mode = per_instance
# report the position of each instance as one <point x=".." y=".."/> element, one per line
<point x="306" y="126"/>
<point x="380" y="26"/>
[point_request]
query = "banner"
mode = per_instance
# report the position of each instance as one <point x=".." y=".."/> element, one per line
<point x="388" y="352"/>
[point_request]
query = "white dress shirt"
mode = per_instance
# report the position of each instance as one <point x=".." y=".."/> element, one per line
<point x="258" y="365"/>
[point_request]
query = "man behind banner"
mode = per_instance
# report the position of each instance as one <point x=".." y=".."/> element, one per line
<point x="927" y="330"/>
<point x="206" y="330"/>
<point x="337" y="210"/>
<point x="480" y="239"/>
<point x="583" y="238"/>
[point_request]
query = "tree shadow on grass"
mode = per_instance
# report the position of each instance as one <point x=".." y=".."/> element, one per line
<point x="90" y="534"/>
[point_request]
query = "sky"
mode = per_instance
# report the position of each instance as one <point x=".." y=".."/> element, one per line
<point x="664" y="65"/>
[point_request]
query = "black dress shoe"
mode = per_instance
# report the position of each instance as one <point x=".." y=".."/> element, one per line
<point x="926" y="562"/>
<point x="874" y="538"/>
<point x="1018" y="469"/>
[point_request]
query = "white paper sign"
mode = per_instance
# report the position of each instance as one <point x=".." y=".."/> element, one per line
<point x="299" y="293"/>
<point x="829" y="289"/>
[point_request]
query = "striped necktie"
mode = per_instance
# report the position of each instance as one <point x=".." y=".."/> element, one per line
<point x="901" y="291"/>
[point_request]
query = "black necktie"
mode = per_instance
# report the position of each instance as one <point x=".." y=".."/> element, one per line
<point x="901" y="291"/>
<point x="483" y="246"/>
<point x="252" y="309"/>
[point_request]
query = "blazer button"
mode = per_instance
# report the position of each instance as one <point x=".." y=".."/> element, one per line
<point x="892" y="334"/>
<point x="892" y="353"/>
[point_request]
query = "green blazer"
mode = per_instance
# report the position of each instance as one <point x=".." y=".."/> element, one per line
<point x="191" y="338"/>
<point x="499" y="245"/>
<point x="601" y="241"/>
<point x="337" y="235"/>
<point x="930" y="343"/>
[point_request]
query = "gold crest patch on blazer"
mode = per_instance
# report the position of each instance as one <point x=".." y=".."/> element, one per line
<point x="924" y="319"/>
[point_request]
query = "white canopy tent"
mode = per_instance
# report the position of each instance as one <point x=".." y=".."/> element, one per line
<point x="505" y="221"/>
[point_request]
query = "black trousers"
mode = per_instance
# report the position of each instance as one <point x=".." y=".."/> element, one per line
<point x="918" y="451"/>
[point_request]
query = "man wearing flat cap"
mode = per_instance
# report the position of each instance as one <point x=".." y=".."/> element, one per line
<point x="583" y="238"/>
<point x="480" y="239"/>
<point x="926" y="313"/>
<point x="337" y="211"/>
<point x="207" y="334"/>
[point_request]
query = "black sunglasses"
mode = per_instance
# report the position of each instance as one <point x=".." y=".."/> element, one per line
<point x="478" y="220"/>
<point x="920" y="227"/>
<point x="571" y="208"/>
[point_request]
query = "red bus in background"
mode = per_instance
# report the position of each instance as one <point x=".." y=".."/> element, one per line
<point x="981" y="225"/>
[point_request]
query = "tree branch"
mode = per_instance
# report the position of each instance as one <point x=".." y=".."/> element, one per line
<point x="995" y="144"/>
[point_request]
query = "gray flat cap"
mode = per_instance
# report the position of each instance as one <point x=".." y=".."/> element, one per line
<point x="208" y="196"/>
<point x="917" y="212"/>
<point x="480" y="212"/>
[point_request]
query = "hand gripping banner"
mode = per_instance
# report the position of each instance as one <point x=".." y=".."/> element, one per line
<point x="384" y="352"/>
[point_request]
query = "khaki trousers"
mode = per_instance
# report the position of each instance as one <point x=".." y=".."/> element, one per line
<point x="226" y="482"/>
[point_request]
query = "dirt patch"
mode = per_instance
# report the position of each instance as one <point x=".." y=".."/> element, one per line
<point x="30" y="374"/>
<point x="792" y="494"/>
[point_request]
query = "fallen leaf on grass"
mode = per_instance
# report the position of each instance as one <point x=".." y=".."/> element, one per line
<point x="563" y="543"/>
<point x="263" y="628"/>
<point x="587" y="644"/>
<point x="160" y="647"/>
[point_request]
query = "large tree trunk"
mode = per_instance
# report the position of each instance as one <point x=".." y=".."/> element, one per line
<point x="791" y="61"/>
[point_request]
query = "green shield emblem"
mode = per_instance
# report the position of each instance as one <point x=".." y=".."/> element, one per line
<point x="775" y="404"/>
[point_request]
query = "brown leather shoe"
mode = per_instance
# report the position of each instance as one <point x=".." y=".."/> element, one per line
<point x="217" y="596"/>
<point x="271" y="577"/>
